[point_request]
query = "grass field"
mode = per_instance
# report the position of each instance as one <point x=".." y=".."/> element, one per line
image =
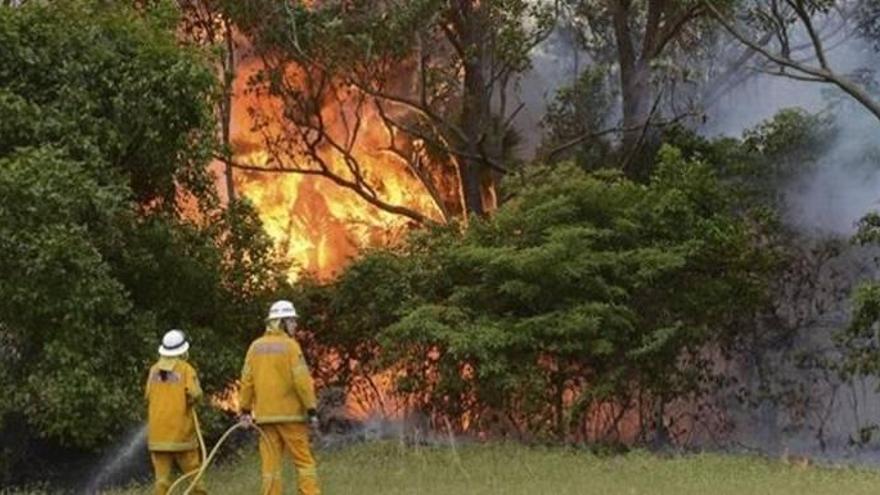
<point x="390" y="468"/>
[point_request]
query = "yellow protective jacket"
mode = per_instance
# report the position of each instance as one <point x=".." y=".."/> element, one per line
<point x="171" y="426"/>
<point x="276" y="385"/>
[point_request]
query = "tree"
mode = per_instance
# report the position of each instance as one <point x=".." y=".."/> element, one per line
<point x="576" y="121"/>
<point x="205" y="24"/>
<point x="586" y="299"/>
<point x="436" y="76"/>
<point x="789" y="21"/>
<point x="111" y="228"/>
<point x="637" y="37"/>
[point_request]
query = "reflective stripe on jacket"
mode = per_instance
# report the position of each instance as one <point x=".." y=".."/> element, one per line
<point x="172" y="388"/>
<point x="275" y="382"/>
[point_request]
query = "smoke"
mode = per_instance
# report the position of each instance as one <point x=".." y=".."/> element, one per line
<point x="799" y="404"/>
<point x="843" y="183"/>
<point x="757" y="100"/>
<point x="412" y="428"/>
<point x="794" y="407"/>
<point x="556" y="62"/>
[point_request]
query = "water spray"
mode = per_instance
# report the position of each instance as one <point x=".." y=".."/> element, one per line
<point x="119" y="457"/>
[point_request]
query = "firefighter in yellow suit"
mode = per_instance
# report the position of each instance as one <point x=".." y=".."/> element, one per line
<point x="171" y="392"/>
<point x="277" y="393"/>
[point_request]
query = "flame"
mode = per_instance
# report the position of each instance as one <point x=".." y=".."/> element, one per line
<point x="320" y="226"/>
<point x="317" y="224"/>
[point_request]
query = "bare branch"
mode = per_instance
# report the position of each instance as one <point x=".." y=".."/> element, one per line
<point x="412" y="105"/>
<point x="789" y="75"/>
<point x="550" y="155"/>
<point x="414" y="162"/>
<point x="509" y="121"/>
<point x="784" y="62"/>
<point x="804" y="16"/>
<point x="672" y="29"/>
<point x="414" y="215"/>
<point x="635" y="150"/>
<point x="447" y="146"/>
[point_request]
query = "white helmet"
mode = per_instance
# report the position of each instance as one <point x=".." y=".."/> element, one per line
<point x="173" y="344"/>
<point x="282" y="309"/>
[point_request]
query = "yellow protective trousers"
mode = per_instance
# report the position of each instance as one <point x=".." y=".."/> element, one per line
<point x="163" y="462"/>
<point x="293" y="438"/>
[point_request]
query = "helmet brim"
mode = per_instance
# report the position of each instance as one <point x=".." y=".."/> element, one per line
<point x="281" y="317"/>
<point x="177" y="351"/>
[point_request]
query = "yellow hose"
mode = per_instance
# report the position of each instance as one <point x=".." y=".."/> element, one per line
<point x="206" y="460"/>
<point x="203" y="450"/>
<point x="199" y="434"/>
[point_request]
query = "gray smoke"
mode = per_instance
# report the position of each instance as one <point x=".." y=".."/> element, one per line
<point x="844" y="184"/>
<point x="792" y="407"/>
<point x="556" y="62"/>
<point x="806" y="408"/>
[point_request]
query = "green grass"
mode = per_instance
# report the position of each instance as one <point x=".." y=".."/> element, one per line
<point x="390" y="468"/>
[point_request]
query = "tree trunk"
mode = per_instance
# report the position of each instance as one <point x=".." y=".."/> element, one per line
<point x="476" y="110"/>
<point x="226" y="107"/>
<point x="661" y="433"/>
<point x="639" y="138"/>
<point x="636" y="95"/>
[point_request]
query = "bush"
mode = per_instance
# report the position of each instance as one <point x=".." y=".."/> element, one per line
<point x="587" y="290"/>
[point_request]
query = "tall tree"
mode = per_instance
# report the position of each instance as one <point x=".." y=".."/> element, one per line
<point x="204" y="23"/>
<point x="636" y="36"/>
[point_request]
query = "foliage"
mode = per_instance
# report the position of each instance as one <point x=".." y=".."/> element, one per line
<point x="769" y="158"/>
<point x="868" y="21"/>
<point x="586" y="289"/>
<point x="859" y="342"/>
<point x="110" y="228"/>
<point x="576" y="112"/>
<point x="118" y="91"/>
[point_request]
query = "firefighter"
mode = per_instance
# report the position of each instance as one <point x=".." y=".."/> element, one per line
<point x="172" y="391"/>
<point x="277" y="394"/>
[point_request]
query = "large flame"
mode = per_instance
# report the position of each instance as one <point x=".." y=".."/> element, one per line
<point x="320" y="226"/>
<point x="317" y="224"/>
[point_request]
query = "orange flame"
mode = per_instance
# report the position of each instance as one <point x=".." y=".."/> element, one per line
<point x="317" y="224"/>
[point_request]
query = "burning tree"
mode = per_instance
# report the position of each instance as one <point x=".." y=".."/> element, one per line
<point x="427" y="84"/>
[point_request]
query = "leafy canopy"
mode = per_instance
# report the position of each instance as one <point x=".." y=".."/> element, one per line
<point x="110" y="228"/>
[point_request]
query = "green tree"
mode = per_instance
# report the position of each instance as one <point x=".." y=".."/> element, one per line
<point x="110" y="227"/>
<point x="576" y="121"/>
<point x="585" y="290"/>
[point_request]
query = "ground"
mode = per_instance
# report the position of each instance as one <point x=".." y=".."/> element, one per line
<point x="393" y="468"/>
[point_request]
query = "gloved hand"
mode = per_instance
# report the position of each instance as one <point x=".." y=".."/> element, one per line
<point x="314" y="422"/>
<point x="246" y="420"/>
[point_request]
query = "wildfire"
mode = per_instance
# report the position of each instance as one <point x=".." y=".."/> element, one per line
<point x="317" y="224"/>
<point x="320" y="226"/>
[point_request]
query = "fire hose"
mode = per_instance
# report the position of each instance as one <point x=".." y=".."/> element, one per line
<point x="207" y="459"/>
